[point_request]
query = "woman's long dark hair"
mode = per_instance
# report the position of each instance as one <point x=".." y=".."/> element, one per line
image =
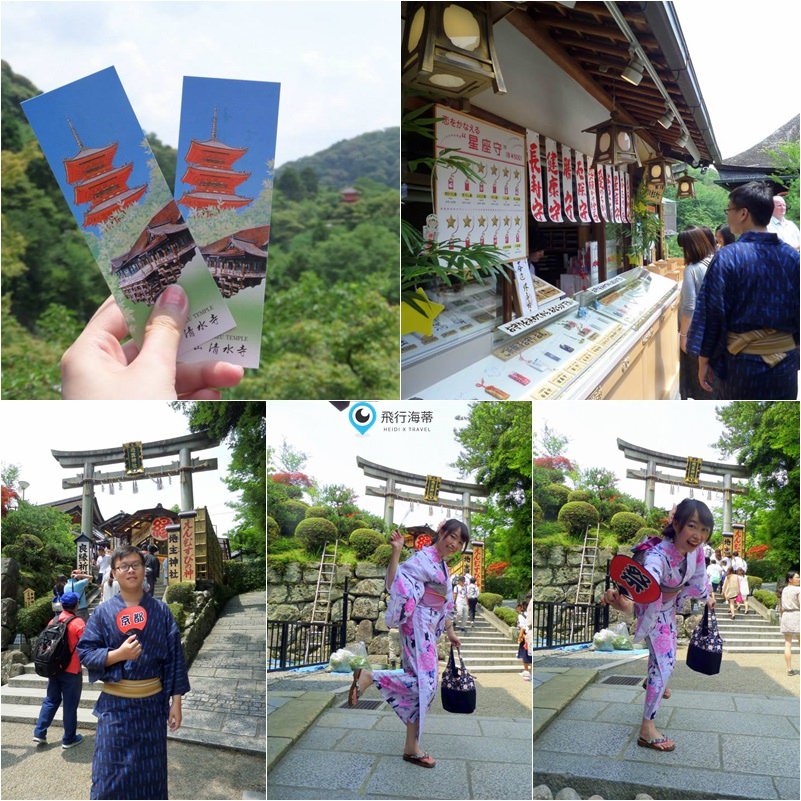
<point x="453" y="525"/>
<point x="58" y="589"/>
<point x="684" y="511"/>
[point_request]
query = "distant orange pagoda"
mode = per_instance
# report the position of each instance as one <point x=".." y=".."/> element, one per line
<point x="98" y="182"/>
<point x="210" y="175"/>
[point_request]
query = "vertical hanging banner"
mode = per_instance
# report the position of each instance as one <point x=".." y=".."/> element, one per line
<point x="592" y="248"/>
<point x="567" y="183"/>
<point x="224" y="182"/>
<point x="552" y="172"/>
<point x="478" y="564"/>
<point x="188" y="572"/>
<point x="581" y="186"/>
<point x="524" y="286"/>
<point x="463" y="209"/>
<point x="599" y="175"/>
<point x="174" y="556"/>
<point x="593" y="194"/>
<point x="618" y="196"/>
<point x="626" y="198"/>
<point x="613" y="190"/>
<point x="536" y="201"/>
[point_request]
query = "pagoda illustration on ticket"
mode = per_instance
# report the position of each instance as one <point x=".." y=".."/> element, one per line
<point x="98" y="182"/>
<point x="211" y="175"/>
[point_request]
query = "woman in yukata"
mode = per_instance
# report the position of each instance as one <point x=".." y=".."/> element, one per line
<point x="676" y="561"/>
<point x="421" y="606"/>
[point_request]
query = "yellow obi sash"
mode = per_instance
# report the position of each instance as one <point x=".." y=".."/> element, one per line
<point x="770" y="344"/>
<point x="133" y="688"/>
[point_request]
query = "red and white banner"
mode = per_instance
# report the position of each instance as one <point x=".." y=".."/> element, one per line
<point x="599" y="175"/>
<point x="610" y="191"/>
<point x="626" y="198"/>
<point x="581" y="187"/>
<point x="614" y="179"/>
<point x="552" y="175"/>
<point x="567" y="183"/>
<point x="593" y="194"/>
<point x="536" y="202"/>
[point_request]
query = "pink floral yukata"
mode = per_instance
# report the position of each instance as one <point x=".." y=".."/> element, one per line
<point x="656" y="622"/>
<point x="410" y="694"/>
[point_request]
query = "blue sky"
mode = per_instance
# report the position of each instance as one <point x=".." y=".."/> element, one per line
<point x="101" y="115"/>
<point x="246" y="117"/>
<point x="338" y="63"/>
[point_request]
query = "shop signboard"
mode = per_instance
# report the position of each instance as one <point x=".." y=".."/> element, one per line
<point x="499" y="196"/>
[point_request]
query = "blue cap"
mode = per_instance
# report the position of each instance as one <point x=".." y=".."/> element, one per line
<point x="69" y="599"/>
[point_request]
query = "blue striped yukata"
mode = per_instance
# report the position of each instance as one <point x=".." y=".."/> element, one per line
<point x="751" y="284"/>
<point x="130" y="759"/>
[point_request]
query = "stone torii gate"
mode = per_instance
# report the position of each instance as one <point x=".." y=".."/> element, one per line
<point x="390" y="492"/>
<point x="184" y="467"/>
<point x="651" y="475"/>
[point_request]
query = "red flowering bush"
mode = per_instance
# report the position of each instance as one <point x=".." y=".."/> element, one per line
<point x="496" y="568"/>
<point x="757" y="552"/>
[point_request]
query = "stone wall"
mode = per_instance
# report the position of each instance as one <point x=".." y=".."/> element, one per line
<point x="10" y="587"/>
<point x="290" y="597"/>
<point x="198" y="625"/>
<point x="556" y="574"/>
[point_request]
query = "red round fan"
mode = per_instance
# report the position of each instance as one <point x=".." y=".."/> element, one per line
<point x="634" y="580"/>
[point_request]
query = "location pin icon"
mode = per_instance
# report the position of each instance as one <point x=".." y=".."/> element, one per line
<point x="362" y="416"/>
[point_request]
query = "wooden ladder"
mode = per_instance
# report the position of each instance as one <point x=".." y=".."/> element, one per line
<point x="585" y="587"/>
<point x="321" y="610"/>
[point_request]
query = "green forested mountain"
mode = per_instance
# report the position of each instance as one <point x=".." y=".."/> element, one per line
<point x="374" y="155"/>
<point x="331" y="314"/>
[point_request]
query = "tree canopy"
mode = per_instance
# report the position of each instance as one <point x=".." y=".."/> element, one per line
<point x="243" y="425"/>
<point x="764" y="437"/>
<point x="496" y="449"/>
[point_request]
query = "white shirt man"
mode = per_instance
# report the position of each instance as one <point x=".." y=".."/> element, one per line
<point x="785" y="229"/>
<point x="738" y="562"/>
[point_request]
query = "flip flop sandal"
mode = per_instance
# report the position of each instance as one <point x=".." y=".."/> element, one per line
<point x="659" y="744"/>
<point x="353" y="692"/>
<point x="423" y="760"/>
<point x="665" y="694"/>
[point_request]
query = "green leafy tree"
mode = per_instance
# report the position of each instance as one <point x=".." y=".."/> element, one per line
<point x="764" y="438"/>
<point x="243" y="425"/>
<point x="496" y="448"/>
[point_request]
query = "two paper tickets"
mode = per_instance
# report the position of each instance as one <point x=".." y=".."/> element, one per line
<point x="210" y="236"/>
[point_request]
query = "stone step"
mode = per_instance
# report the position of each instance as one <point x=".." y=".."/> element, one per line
<point x="30" y="669"/>
<point x="757" y="636"/>
<point x="33" y="696"/>
<point x="29" y="713"/>
<point x="759" y="649"/>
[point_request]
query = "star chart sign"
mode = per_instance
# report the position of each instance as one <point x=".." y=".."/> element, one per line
<point x="158" y="528"/>
<point x="491" y="210"/>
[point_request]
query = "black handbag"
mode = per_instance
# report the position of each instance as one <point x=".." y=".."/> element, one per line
<point x="458" y="688"/>
<point x="705" y="651"/>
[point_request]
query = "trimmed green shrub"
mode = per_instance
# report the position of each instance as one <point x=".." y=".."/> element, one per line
<point x="552" y="498"/>
<point x="314" y="532"/>
<point x="577" y="515"/>
<point x="325" y="512"/>
<point x="536" y="513"/>
<point x="32" y="619"/>
<point x="381" y="555"/>
<point x="288" y="514"/>
<point x="626" y="525"/>
<point x="364" y="541"/>
<point x="273" y="530"/>
<point x="179" y="613"/>
<point x="181" y="593"/>
<point x="644" y="532"/>
<point x="766" y="569"/>
<point x="508" y="616"/>
<point x="767" y="598"/>
<point x="754" y="582"/>
<point x="579" y="495"/>
<point x="489" y="600"/>
<point x="245" y="576"/>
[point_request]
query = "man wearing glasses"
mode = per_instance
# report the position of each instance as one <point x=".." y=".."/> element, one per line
<point x="745" y="329"/>
<point x="132" y="645"/>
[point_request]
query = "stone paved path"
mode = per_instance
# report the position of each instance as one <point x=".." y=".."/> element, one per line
<point x="226" y="706"/>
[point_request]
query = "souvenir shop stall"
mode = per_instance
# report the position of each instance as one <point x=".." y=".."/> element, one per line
<point x="538" y="140"/>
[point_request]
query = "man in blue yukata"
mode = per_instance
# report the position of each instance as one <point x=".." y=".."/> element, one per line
<point x="132" y="645"/>
<point x="745" y="329"/>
